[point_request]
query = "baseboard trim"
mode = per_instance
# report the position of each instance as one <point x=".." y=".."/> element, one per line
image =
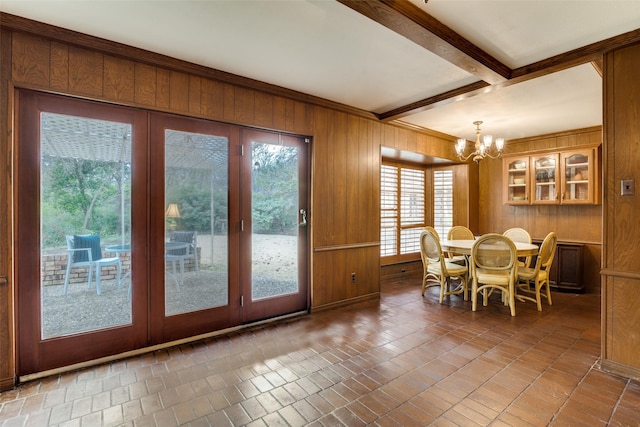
<point x="620" y="369"/>
<point x="341" y="303"/>
<point x="7" y="383"/>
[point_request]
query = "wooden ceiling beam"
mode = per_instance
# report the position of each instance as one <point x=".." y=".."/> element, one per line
<point x="587" y="54"/>
<point x="458" y="94"/>
<point x="411" y="22"/>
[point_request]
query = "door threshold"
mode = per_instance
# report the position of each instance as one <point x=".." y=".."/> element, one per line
<point x="107" y="359"/>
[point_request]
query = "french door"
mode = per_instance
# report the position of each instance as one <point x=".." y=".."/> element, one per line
<point x="274" y="224"/>
<point x="194" y="226"/>
<point x="81" y="174"/>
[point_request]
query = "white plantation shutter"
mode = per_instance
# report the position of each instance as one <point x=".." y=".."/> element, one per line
<point x="411" y="209"/>
<point x="388" y="210"/>
<point x="402" y="207"/>
<point x="443" y="201"/>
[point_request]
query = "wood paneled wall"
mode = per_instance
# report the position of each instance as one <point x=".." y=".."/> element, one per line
<point x="576" y="223"/>
<point x="345" y="147"/>
<point x="621" y="264"/>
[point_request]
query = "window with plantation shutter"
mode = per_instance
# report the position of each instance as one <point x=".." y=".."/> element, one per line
<point x="411" y="209"/>
<point x="388" y="210"/>
<point x="443" y="201"/>
<point x="402" y="205"/>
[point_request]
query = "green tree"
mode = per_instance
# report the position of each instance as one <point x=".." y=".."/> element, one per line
<point x="80" y="195"/>
<point x="275" y="184"/>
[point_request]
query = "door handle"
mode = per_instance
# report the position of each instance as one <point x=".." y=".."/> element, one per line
<point x="304" y="222"/>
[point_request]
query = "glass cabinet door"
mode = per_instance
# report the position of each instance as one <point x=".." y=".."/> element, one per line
<point x="545" y="178"/>
<point x="517" y="180"/>
<point x="577" y="187"/>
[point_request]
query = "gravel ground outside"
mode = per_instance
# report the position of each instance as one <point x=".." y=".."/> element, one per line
<point x="274" y="270"/>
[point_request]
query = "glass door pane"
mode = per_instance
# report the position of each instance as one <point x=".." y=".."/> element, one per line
<point x="546" y="178"/>
<point x="577" y="175"/>
<point x="85" y="202"/>
<point x="275" y="213"/>
<point x="517" y="180"/>
<point x="196" y="219"/>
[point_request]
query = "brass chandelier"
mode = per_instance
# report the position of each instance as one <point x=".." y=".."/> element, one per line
<point x="484" y="148"/>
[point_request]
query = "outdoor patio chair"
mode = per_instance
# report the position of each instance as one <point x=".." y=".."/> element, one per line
<point x="85" y="251"/>
<point x="190" y="237"/>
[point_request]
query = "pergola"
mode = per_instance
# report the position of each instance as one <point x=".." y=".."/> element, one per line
<point x="73" y="137"/>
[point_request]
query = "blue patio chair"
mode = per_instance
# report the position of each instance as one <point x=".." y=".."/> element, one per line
<point x="85" y="251"/>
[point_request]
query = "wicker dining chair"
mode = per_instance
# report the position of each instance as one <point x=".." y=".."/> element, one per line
<point x="494" y="266"/>
<point x="520" y="235"/>
<point x="436" y="264"/>
<point x="539" y="274"/>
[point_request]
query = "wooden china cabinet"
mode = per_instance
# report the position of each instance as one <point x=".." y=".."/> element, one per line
<point x="553" y="177"/>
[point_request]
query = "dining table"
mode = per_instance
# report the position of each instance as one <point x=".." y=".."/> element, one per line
<point x="463" y="247"/>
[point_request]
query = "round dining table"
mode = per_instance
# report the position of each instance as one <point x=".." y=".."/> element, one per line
<point x="463" y="247"/>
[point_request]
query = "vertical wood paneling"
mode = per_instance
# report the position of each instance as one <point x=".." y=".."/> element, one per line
<point x="163" y="95"/>
<point x="290" y="117"/>
<point x="621" y="286"/>
<point x="623" y="301"/>
<point x="244" y="106"/>
<point x="228" y="103"/>
<point x="212" y="99"/>
<point x="30" y="59"/>
<point x="279" y="113"/>
<point x="119" y="78"/>
<point x="299" y="114"/>
<point x="461" y="196"/>
<point x="625" y="163"/>
<point x="370" y="177"/>
<point x="59" y="68"/>
<point x="352" y="183"/>
<point x="412" y="142"/>
<point x="86" y="75"/>
<point x="195" y="93"/>
<point x="401" y="139"/>
<point x="178" y="91"/>
<point x="263" y="110"/>
<point x="145" y="83"/>
<point x="321" y="171"/>
<point x="341" y="165"/>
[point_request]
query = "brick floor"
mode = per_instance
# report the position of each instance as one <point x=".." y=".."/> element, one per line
<point x="404" y="360"/>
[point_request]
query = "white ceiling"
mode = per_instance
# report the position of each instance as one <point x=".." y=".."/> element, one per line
<point x="326" y="49"/>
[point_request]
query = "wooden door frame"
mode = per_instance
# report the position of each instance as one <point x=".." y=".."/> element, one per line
<point x="66" y="350"/>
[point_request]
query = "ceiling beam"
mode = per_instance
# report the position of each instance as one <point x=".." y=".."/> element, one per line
<point x="458" y="94"/>
<point x="591" y="53"/>
<point x="410" y="21"/>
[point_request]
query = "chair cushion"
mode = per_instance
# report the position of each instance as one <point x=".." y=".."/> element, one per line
<point x="91" y="241"/>
<point x="182" y="237"/>
<point x="453" y="269"/>
<point x="530" y="274"/>
<point x="488" y="277"/>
